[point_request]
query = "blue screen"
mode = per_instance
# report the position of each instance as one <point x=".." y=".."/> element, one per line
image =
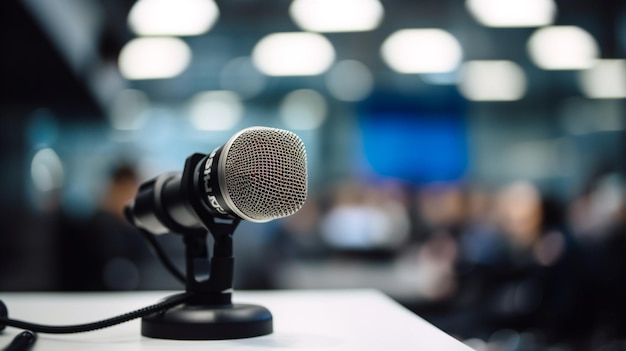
<point x="415" y="147"/>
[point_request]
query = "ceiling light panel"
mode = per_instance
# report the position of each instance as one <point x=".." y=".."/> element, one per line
<point x="293" y="54"/>
<point x="337" y="15"/>
<point x="154" y="58"/>
<point x="512" y="13"/>
<point x="562" y="48"/>
<point x="215" y="110"/>
<point x="422" y="51"/>
<point x="496" y="80"/>
<point x="172" y="17"/>
<point x="605" y="80"/>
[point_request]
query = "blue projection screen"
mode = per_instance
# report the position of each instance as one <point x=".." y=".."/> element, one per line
<point x="415" y="147"/>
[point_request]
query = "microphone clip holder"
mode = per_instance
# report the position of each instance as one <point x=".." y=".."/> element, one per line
<point x="209" y="314"/>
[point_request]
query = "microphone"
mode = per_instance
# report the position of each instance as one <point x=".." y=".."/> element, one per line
<point x="258" y="175"/>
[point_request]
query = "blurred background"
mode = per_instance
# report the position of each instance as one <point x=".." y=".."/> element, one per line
<point x="465" y="157"/>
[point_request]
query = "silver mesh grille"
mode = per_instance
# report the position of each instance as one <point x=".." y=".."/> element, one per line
<point x="266" y="173"/>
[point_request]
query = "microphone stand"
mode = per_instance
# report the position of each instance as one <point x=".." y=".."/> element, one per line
<point x="209" y="314"/>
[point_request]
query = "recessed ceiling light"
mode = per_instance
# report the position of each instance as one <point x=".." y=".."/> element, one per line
<point x="562" y="47"/>
<point x="172" y="17"/>
<point x="154" y="58"/>
<point x="293" y="54"/>
<point x="422" y="51"/>
<point x="496" y="80"/>
<point x="605" y="80"/>
<point x="512" y="13"/>
<point x="337" y="15"/>
<point x="215" y="110"/>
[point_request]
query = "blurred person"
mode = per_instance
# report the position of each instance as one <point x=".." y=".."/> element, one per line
<point x="429" y="269"/>
<point x="439" y="211"/>
<point x="104" y="252"/>
<point x="448" y="212"/>
<point x="442" y="206"/>
<point x="458" y="232"/>
<point x="526" y="276"/>
<point x="480" y="242"/>
<point x="28" y="260"/>
<point x="599" y="222"/>
<point x="598" y="208"/>
<point x="537" y="285"/>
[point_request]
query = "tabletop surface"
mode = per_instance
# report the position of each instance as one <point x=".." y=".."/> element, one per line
<point x="303" y="320"/>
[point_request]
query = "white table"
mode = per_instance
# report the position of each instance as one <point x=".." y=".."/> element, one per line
<point x="358" y="320"/>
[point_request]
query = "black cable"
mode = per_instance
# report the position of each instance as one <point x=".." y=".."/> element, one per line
<point x="81" y="328"/>
<point x="162" y="256"/>
<point x="156" y="247"/>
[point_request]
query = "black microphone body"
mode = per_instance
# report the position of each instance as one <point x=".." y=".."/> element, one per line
<point x="163" y="204"/>
<point x="258" y="175"/>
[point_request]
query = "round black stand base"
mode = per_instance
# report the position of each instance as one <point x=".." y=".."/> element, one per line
<point x="212" y="322"/>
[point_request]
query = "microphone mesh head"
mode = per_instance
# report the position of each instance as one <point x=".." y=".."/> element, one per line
<point x="265" y="173"/>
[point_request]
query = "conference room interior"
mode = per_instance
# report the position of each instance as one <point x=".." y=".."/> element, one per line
<point x="472" y="169"/>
